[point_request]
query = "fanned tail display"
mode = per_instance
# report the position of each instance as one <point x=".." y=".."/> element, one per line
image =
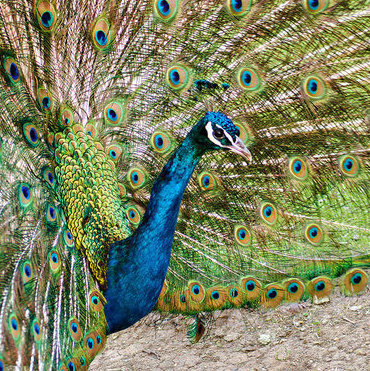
<point x="97" y="97"/>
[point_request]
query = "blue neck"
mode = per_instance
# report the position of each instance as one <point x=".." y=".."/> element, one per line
<point x="138" y="265"/>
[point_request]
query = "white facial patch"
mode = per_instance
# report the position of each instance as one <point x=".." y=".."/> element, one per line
<point x="213" y="139"/>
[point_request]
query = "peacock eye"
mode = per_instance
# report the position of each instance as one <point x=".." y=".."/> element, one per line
<point x="218" y="133"/>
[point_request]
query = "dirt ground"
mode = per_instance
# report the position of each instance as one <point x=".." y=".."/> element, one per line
<point x="330" y="336"/>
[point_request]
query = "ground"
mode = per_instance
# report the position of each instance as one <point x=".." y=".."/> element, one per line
<point x="330" y="336"/>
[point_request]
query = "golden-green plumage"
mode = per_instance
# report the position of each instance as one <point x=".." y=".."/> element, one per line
<point x="95" y="97"/>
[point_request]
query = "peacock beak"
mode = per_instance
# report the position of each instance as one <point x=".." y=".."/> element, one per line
<point x="239" y="147"/>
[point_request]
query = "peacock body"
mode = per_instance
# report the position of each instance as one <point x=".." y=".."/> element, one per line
<point x="95" y="98"/>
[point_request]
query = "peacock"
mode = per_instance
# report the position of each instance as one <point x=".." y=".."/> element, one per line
<point x="176" y="155"/>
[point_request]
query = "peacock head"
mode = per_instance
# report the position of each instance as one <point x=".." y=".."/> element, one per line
<point x="216" y="131"/>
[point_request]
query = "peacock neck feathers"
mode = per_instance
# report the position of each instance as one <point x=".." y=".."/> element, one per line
<point x="138" y="265"/>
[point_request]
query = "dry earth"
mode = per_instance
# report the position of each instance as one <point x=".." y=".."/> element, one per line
<point x="331" y="336"/>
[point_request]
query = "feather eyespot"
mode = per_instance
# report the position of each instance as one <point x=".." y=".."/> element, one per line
<point x="74" y="329"/>
<point x="45" y="100"/>
<point x="294" y="289"/>
<point x="14" y="327"/>
<point x="46" y="15"/>
<point x="66" y="116"/>
<point x="207" y="181"/>
<point x="298" y="168"/>
<point x="93" y="343"/>
<point x="355" y="280"/>
<point x="36" y="329"/>
<point x="114" y="151"/>
<point x="54" y="261"/>
<point x="314" y="234"/>
<point x="320" y="287"/>
<point x="273" y="295"/>
<point x="133" y="215"/>
<point x="166" y="10"/>
<point x="31" y="134"/>
<point x="96" y="301"/>
<point x="48" y="176"/>
<point x="102" y="33"/>
<point x="27" y="272"/>
<point x="68" y="238"/>
<point x="315" y="6"/>
<point x="249" y="79"/>
<point x="238" y="8"/>
<point x="268" y="213"/>
<point x="12" y="69"/>
<point x="114" y="113"/>
<point x="72" y="364"/>
<point x="314" y="87"/>
<point x="51" y="214"/>
<point x="242" y="235"/>
<point x="90" y="130"/>
<point x="349" y="165"/>
<point x="197" y="292"/>
<point x="25" y="195"/>
<point x="137" y="178"/>
<point x="160" y="141"/>
<point x="82" y="361"/>
<point x="251" y="288"/>
<point x="178" y="77"/>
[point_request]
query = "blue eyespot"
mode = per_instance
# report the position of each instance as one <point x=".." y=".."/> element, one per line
<point x="26" y="192"/>
<point x="51" y="178"/>
<point x="247" y="78"/>
<point x="14" y="324"/>
<point x="267" y="211"/>
<point x="135" y="177"/>
<point x="132" y="214"/>
<point x="113" y="154"/>
<point x="320" y="286"/>
<point x="47" y="19"/>
<point x="54" y="257"/>
<point x="164" y="7"/>
<point x="206" y="181"/>
<point x="66" y="120"/>
<point x="69" y="235"/>
<point x="297" y="166"/>
<point x="82" y="361"/>
<point x="159" y="141"/>
<point x="71" y="366"/>
<point x="1" y="365"/>
<point x="250" y="285"/>
<point x="33" y="135"/>
<point x="112" y="115"/>
<point x="356" y="278"/>
<point x="98" y="339"/>
<point x="27" y="270"/>
<point x="242" y="234"/>
<point x="182" y="299"/>
<point x="90" y="343"/>
<point x="234" y="293"/>
<point x="237" y="5"/>
<point x="313" y="232"/>
<point x="36" y="328"/>
<point x="293" y="288"/>
<point x="46" y="102"/>
<point x="101" y="37"/>
<point x="14" y="72"/>
<point x="312" y="86"/>
<point x="52" y="212"/>
<point x="74" y="327"/>
<point x="175" y="77"/>
<point x="196" y="290"/>
<point x="313" y="4"/>
<point x="95" y="300"/>
<point x="215" y="295"/>
<point x="348" y="164"/>
<point x="271" y="294"/>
